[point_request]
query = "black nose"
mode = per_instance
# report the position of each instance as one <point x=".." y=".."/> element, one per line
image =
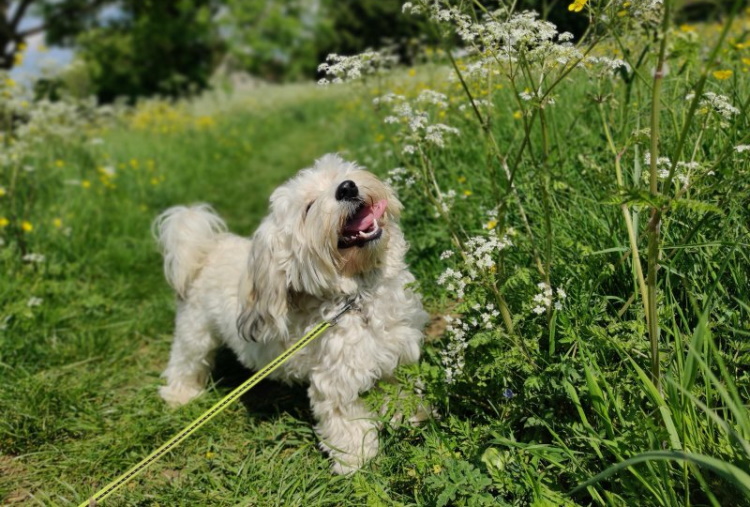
<point x="347" y="191"/>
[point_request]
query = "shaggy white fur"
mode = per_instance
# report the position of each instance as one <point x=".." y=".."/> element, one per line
<point x="331" y="235"/>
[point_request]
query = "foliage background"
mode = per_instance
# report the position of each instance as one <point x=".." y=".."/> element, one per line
<point x="528" y="407"/>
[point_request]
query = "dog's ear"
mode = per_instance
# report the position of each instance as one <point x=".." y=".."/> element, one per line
<point x="263" y="289"/>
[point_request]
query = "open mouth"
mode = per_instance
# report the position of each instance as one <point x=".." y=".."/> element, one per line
<point x="362" y="226"/>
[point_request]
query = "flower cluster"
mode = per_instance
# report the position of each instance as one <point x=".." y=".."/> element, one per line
<point x="718" y="104"/>
<point x="453" y="355"/>
<point x="414" y="118"/>
<point x="458" y="330"/>
<point x="339" y="69"/>
<point x="38" y="121"/>
<point x="546" y="297"/>
<point x="453" y="281"/>
<point x="481" y="251"/>
<point x="499" y="36"/>
<point x="487" y="319"/>
<point x="478" y="255"/>
<point x="445" y="201"/>
<point x="683" y="170"/>
<point x="33" y="258"/>
<point x="400" y="178"/>
<point x="609" y="65"/>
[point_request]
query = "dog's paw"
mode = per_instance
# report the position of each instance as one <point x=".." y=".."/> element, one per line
<point x="179" y="394"/>
<point x="341" y="468"/>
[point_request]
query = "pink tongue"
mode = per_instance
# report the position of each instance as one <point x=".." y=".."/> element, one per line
<point x="365" y="217"/>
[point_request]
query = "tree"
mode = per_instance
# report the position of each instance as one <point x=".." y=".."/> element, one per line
<point x="165" y="47"/>
<point x="275" y="39"/>
<point x="59" y="19"/>
<point x="287" y="39"/>
<point x="142" y="47"/>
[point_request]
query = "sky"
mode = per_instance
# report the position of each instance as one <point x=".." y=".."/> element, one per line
<point x="37" y="56"/>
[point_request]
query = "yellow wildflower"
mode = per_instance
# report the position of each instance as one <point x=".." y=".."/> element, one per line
<point x="687" y="28"/>
<point x="10" y="83"/>
<point x="437" y="469"/>
<point x="205" y="122"/>
<point x="722" y="74"/>
<point x="577" y="5"/>
<point x="2" y="191"/>
<point x="467" y="193"/>
<point x="86" y="184"/>
<point x="57" y="222"/>
<point x="518" y="115"/>
<point x="59" y="163"/>
<point x="379" y="138"/>
<point x="746" y="61"/>
<point x="4" y="222"/>
<point x="412" y="72"/>
<point x="210" y="455"/>
<point x="490" y="225"/>
<point x="26" y="226"/>
<point x="462" y="179"/>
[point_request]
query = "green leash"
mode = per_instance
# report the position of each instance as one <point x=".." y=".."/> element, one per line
<point x="230" y="398"/>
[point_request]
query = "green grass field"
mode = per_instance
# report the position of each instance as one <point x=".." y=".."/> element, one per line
<point x="546" y="396"/>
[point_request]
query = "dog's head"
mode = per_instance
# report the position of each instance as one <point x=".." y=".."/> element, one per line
<point x="328" y="226"/>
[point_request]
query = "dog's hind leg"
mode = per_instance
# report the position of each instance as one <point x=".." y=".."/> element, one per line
<point x="190" y="360"/>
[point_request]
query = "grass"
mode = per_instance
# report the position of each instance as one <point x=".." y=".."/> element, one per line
<point x="553" y="408"/>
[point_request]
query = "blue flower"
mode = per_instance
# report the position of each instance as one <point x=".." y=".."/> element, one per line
<point x="507" y="393"/>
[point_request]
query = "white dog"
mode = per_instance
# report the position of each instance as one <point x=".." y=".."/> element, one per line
<point x="331" y="237"/>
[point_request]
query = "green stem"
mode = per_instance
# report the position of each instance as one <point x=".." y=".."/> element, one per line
<point x="654" y="224"/>
<point x="632" y="236"/>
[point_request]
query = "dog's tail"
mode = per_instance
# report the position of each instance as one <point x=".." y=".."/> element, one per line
<point x="186" y="235"/>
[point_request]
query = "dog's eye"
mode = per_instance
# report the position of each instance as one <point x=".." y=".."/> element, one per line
<point x="307" y="210"/>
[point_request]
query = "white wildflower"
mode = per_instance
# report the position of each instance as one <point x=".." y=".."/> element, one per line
<point x="453" y="281"/>
<point x="719" y="104"/>
<point x="452" y="355"/>
<point x="481" y="250"/>
<point x="34" y="301"/>
<point x="33" y="258"/>
<point x="547" y="298"/>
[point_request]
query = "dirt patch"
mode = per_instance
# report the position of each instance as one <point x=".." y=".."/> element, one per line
<point x="12" y="472"/>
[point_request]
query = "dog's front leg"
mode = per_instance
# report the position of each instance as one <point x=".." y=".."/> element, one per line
<point x="348" y="431"/>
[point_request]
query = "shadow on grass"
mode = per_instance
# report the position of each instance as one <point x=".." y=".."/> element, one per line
<point x="268" y="399"/>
